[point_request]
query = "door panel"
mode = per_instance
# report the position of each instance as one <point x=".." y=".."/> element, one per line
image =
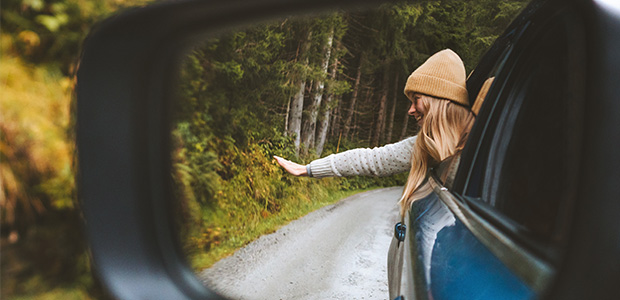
<point x="448" y="262"/>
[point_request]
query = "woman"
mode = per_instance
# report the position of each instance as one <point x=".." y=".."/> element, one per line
<point x="439" y="103"/>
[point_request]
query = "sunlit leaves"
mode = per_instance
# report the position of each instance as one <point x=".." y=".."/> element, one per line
<point x="46" y="252"/>
<point x="35" y="151"/>
<point x="232" y="70"/>
<point x="59" y="25"/>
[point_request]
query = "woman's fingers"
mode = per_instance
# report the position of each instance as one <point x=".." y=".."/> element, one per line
<point x="291" y="167"/>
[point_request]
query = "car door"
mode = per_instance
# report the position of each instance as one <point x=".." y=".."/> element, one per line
<point x="496" y="223"/>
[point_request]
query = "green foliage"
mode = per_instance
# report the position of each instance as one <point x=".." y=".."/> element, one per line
<point x="257" y="198"/>
<point x="35" y="111"/>
<point x="49" y="260"/>
<point x="51" y="31"/>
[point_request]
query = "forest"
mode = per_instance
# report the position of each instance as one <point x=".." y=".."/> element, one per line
<point x="300" y="88"/>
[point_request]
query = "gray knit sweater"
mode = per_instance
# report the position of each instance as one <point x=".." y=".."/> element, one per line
<point x="380" y="161"/>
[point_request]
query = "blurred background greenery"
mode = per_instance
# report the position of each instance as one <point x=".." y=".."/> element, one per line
<point x="235" y="110"/>
<point x="44" y="254"/>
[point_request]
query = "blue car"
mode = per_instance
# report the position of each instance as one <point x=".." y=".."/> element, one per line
<point x="518" y="214"/>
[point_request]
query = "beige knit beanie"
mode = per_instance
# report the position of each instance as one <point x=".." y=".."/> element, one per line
<point x="442" y="75"/>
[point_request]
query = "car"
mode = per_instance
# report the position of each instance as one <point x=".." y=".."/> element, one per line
<point x="528" y="209"/>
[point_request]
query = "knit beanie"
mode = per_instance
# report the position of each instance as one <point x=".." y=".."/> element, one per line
<point x="442" y="75"/>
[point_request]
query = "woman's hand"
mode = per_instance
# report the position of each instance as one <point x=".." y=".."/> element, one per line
<point x="291" y="167"/>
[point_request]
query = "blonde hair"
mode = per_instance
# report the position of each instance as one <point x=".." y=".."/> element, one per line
<point x="445" y="127"/>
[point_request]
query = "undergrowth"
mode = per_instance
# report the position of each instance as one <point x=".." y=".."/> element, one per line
<point x="250" y="195"/>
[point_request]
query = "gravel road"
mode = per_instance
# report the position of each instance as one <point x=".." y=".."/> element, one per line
<point x="336" y="252"/>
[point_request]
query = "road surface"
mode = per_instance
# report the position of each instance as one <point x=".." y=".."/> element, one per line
<point x="336" y="252"/>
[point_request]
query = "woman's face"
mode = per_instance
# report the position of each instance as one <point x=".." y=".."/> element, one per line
<point x="417" y="109"/>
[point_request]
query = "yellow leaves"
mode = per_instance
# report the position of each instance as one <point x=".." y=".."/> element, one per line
<point x="66" y="84"/>
<point x="208" y="238"/>
<point x="29" y="40"/>
<point x="53" y="23"/>
<point x="35" y="107"/>
<point x="34" y="4"/>
<point x="34" y="120"/>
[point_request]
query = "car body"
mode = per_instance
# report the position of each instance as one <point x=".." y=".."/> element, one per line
<point x="510" y="215"/>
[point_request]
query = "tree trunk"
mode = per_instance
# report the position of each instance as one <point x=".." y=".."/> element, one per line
<point x="297" y="105"/>
<point x="380" y="123"/>
<point x="324" y="125"/>
<point x="309" y="130"/>
<point x="392" y="112"/>
<point x="361" y="123"/>
<point x="351" y="110"/>
<point x="297" y="108"/>
<point x="374" y="122"/>
<point x="286" y="118"/>
<point x="354" y="129"/>
<point x="334" y="128"/>
<point x="403" y="133"/>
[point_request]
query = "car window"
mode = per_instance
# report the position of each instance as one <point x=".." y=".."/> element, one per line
<point x="525" y="164"/>
<point x="480" y="86"/>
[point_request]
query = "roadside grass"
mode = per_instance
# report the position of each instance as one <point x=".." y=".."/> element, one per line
<point x="267" y="225"/>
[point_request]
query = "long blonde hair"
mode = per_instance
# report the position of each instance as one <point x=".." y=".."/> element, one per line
<point x="445" y="127"/>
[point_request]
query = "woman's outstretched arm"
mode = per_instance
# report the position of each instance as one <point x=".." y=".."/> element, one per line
<point x="380" y="161"/>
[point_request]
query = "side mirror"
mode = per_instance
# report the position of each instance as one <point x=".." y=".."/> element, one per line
<point x="123" y="137"/>
<point x="400" y="230"/>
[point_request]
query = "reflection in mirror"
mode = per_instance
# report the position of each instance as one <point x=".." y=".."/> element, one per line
<point x="303" y="88"/>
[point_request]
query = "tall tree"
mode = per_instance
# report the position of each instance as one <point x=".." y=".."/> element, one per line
<point x="334" y="128"/>
<point x="309" y="129"/>
<point x="403" y="132"/>
<point x="297" y="105"/>
<point x="390" y="120"/>
<point x="354" y="95"/>
<point x="327" y="110"/>
<point x="380" y="121"/>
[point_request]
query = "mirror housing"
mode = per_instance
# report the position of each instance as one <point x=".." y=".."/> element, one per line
<point x="127" y="66"/>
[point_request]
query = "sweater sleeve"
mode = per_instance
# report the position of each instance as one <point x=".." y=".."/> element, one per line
<point x="380" y="161"/>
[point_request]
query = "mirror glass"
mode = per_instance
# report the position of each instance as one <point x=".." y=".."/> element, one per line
<point x="302" y="88"/>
